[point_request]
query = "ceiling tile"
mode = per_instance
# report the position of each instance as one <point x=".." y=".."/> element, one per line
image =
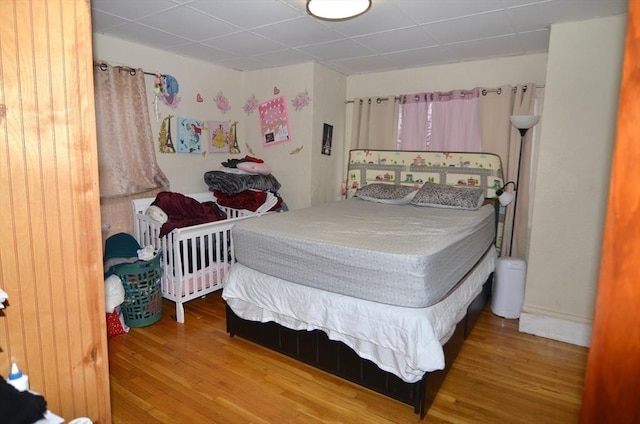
<point x="472" y="27"/>
<point x="381" y="17"/>
<point x="298" y="32"/>
<point x="426" y="11"/>
<point x="397" y="40"/>
<point x="188" y="23"/>
<point x="202" y="52"/>
<point x="247" y="13"/>
<point x="103" y="21"/>
<point x="487" y="48"/>
<point x="244" y="43"/>
<point x="131" y="10"/>
<point x="283" y="57"/>
<point x="145" y="35"/>
<point x="336" y="50"/>
<point x="422" y="57"/>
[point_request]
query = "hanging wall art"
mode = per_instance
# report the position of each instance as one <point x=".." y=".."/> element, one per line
<point x="189" y="135"/>
<point x="218" y="136"/>
<point x="274" y="121"/>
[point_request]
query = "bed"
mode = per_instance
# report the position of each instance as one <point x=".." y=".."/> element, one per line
<point x="381" y="292"/>
<point x="195" y="258"/>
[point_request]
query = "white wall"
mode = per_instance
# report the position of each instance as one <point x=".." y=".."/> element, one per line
<point x="576" y="142"/>
<point x="297" y="163"/>
<point x="185" y="171"/>
<point x="328" y="107"/>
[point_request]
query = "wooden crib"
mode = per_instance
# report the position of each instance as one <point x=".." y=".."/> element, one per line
<point x="194" y="259"/>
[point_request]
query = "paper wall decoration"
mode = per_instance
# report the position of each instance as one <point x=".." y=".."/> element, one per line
<point x="274" y="121"/>
<point x="189" y="135"/>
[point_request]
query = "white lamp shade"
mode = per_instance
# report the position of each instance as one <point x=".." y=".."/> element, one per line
<point x="505" y="198"/>
<point x="524" y="122"/>
<point x="337" y="10"/>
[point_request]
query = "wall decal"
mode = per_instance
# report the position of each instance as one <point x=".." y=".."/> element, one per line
<point x="274" y="121"/>
<point x="249" y="149"/>
<point x="222" y="102"/>
<point x="276" y="91"/>
<point x="166" y="88"/>
<point x="234" y="149"/>
<point x="164" y="137"/>
<point x="199" y="98"/>
<point x="301" y="100"/>
<point x="250" y="105"/>
<point x="296" y="150"/>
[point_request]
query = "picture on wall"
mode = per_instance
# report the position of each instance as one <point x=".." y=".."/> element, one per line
<point x="189" y="135"/>
<point x="327" y="135"/>
<point x="274" y="121"/>
<point x="218" y="136"/>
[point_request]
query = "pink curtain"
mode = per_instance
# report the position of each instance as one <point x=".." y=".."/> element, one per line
<point x="440" y="121"/>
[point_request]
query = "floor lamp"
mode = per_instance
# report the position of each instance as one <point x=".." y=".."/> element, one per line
<point x="523" y="123"/>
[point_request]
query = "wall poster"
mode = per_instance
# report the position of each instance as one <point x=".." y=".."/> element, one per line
<point x="274" y="121"/>
<point x="327" y="136"/>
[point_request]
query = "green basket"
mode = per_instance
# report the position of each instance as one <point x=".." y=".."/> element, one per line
<point x="142" y="295"/>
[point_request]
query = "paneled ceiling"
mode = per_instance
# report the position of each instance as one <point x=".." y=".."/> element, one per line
<point x="252" y="35"/>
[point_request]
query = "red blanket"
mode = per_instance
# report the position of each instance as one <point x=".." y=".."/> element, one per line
<point x="184" y="211"/>
<point x="249" y="199"/>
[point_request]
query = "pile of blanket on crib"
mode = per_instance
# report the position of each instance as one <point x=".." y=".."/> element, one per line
<point x="245" y="184"/>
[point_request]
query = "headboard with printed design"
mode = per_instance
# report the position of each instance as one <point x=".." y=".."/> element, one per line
<point x="414" y="168"/>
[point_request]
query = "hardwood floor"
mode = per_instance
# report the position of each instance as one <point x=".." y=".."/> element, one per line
<point x="196" y="373"/>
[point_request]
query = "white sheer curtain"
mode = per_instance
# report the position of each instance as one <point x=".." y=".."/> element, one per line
<point x="440" y="121"/>
<point x="126" y="156"/>
<point x="500" y="137"/>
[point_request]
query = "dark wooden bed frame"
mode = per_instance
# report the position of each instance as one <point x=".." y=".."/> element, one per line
<point x="315" y="348"/>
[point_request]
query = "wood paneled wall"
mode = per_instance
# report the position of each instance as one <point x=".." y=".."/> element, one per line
<point x="50" y="241"/>
<point x="612" y="385"/>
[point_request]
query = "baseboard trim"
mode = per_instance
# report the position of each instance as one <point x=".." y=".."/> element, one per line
<point x="552" y="327"/>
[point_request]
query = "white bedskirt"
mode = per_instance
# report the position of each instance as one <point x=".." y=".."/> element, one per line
<point x="404" y="341"/>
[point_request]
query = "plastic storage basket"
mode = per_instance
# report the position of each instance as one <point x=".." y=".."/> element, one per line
<point x="142" y="295"/>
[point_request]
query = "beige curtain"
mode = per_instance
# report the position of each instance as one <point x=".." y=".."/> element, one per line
<point x="500" y="137"/>
<point x="375" y="123"/>
<point x="126" y="157"/>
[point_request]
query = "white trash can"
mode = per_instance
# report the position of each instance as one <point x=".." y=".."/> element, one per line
<point x="508" y="287"/>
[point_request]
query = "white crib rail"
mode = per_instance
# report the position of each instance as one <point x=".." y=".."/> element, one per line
<point x="194" y="259"/>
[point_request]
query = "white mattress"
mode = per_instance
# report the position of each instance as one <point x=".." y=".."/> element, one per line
<point x="401" y="255"/>
<point x="404" y="341"/>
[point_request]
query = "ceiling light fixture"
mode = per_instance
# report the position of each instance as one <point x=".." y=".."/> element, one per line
<point x="337" y="10"/>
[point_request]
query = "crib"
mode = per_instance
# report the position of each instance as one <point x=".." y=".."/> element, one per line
<point x="194" y="259"/>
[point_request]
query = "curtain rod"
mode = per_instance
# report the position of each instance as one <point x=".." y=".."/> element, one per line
<point x="103" y="67"/>
<point x="484" y="92"/>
